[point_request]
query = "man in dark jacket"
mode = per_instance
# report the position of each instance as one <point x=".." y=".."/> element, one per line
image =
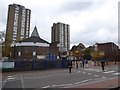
<point x="70" y="66"/>
<point x="103" y="65"/>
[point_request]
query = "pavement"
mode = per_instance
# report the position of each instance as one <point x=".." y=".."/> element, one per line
<point x="81" y="78"/>
<point x="111" y="83"/>
<point x="103" y="84"/>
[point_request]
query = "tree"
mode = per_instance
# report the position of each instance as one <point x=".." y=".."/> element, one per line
<point x="95" y="55"/>
<point x="77" y="51"/>
<point x="87" y="53"/>
<point x="2" y="36"/>
<point x="6" y="49"/>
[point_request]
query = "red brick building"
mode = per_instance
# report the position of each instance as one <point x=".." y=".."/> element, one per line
<point x="54" y="49"/>
<point x="30" y="48"/>
<point x="109" y="50"/>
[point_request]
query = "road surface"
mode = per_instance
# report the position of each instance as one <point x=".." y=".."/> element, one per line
<point x="61" y="78"/>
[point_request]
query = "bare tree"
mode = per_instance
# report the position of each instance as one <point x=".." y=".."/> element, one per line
<point x="2" y="36"/>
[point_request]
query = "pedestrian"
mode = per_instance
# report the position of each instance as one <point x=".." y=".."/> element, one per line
<point x="115" y="61"/>
<point x="70" y="66"/>
<point x="77" y="64"/>
<point x="98" y="63"/>
<point x="94" y="62"/>
<point x="86" y="61"/>
<point x="103" y="65"/>
<point x="106" y="61"/>
<point x="83" y="62"/>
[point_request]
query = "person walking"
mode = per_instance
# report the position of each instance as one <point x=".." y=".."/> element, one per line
<point x="103" y="65"/>
<point x="70" y="66"/>
<point x="83" y="62"/>
<point x="76" y="64"/>
<point x="94" y="62"/>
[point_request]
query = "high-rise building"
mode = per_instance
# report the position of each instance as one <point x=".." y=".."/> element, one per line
<point x="61" y="34"/>
<point x="18" y="25"/>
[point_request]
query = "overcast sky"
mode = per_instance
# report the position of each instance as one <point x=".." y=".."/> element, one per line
<point x="90" y="21"/>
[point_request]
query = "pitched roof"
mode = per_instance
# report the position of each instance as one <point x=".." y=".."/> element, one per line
<point x="35" y="32"/>
<point x="34" y="39"/>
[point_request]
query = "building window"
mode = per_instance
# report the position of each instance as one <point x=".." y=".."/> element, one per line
<point x="34" y="53"/>
<point x="15" y="24"/>
<point x="23" y="22"/>
<point x="19" y="53"/>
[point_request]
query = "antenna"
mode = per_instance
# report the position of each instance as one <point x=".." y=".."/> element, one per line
<point x="35" y="21"/>
<point x="108" y="39"/>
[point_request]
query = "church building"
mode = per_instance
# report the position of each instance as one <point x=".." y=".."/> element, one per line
<point x="32" y="48"/>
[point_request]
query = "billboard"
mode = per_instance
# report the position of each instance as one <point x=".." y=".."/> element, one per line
<point x="6" y="65"/>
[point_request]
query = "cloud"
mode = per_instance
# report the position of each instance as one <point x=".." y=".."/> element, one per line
<point x="90" y="21"/>
<point x="75" y="6"/>
<point x="97" y="24"/>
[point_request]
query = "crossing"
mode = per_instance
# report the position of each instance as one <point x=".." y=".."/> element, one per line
<point x="58" y="78"/>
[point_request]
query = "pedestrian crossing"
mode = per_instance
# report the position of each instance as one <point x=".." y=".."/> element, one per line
<point x="118" y="73"/>
<point x="113" y="72"/>
<point x="109" y="71"/>
<point x="93" y="69"/>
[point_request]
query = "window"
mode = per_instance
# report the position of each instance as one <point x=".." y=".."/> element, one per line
<point x="23" y="23"/>
<point x="19" y="53"/>
<point x="15" y="23"/>
<point x="34" y="53"/>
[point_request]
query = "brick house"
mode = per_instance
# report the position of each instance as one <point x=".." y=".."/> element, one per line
<point x="54" y="49"/>
<point x="31" y="48"/>
<point x="109" y="50"/>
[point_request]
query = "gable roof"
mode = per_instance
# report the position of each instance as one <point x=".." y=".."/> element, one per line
<point x="35" y="32"/>
<point x="34" y="39"/>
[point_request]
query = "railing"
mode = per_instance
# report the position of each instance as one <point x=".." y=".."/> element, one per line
<point x="35" y="65"/>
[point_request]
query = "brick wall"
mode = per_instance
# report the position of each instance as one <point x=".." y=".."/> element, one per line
<point x="27" y="52"/>
<point x="110" y="50"/>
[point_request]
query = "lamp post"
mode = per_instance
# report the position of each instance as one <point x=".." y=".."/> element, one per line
<point x="77" y="55"/>
<point x="1" y="46"/>
<point x="14" y="50"/>
<point x="77" y="59"/>
<point x="71" y="58"/>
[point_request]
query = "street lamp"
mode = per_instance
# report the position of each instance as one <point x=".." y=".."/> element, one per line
<point x="70" y="55"/>
<point x="77" y="59"/>
<point x="14" y="50"/>
<point x="77" y="55"/>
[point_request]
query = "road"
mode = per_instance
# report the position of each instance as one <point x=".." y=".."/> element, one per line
<point x="59" y="78"/>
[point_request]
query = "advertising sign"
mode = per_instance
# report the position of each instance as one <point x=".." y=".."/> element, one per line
<point x="7" y="65"/>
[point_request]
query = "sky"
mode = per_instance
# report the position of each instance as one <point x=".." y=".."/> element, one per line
<point x="91" y="21"/>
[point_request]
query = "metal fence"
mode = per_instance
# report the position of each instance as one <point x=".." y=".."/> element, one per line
<point x="36" y="65"/>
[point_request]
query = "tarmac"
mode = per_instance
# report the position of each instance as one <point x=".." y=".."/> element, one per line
<point x="111" y="84"/>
